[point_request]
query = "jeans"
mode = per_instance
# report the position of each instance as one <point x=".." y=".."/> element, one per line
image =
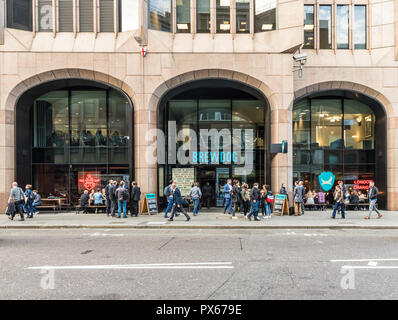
<point x="196" y="203"/>
<point x="228" y="204"/>
<point x="372" y="207"/>
<point x="28" y="208"/>
<point x="169" y="206"/>
<point x="267" y="209"/>
<point x="338" y="206"/>
<point x="34" y="205"/>
<point x="121" y="204"/>
<point x="253" y="209"/>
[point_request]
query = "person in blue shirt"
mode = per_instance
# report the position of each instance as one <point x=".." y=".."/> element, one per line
<point x="227" y="196"/>
<point x="373" y="193"/>
<point x="29" y="197"/>
<point x="36" y="201"/>
<point x="98" y="198"/>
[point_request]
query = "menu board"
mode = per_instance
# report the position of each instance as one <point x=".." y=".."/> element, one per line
<point x="280" y="204"/>
<point x="151" y="203"/>
<point x="185" y="178"/>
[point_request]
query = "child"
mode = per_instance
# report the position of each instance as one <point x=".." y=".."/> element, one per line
<point x="11" y="209"/>
<point x="270" y="200"/>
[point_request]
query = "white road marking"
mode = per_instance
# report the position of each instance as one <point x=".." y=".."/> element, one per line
<point x="98" y="234"/>
<point x="194" y="265"/>
<point x="372" y="263"/>
<point x="369" y="267"/>
<point x="362" y="260"/>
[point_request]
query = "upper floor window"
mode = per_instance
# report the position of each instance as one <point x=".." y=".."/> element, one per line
<point x="160" y="15"/>
<point x="183" y="10"/>
<point x="45" y="15"/>
<point x="325" y="27"/>
<point x="223" y="16"/>
<point x="106" y="16"/>
<point x="264" y="15"/>
<point x="342" y="24"/>
<point x="360" y="27"/>
<point x="242" y="16"/>
<point x="65" y="9"/>
<point x="19" y="14"/>
<point x="128" y="15"/>
<point x="203" y="16"/>
<point x="86" y="15"/>
<point x="308" y="27"/>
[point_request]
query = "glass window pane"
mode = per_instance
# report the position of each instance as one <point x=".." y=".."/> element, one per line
<point x="128" y="15"/>
<point x="264" y="15"/>
<point x="45" y="15"/>
<point x="325" y="27"/>
<point x="242" y="16"/>
<point x="106" y="16"/>
<point x="88" y="126"/>
<point x="202" y="16"/>
<point x="308" y="27"/>
<point x="86" y="13"/>
<point x="301" y="125"/>
<point x="19" y="14"/>
<point x="160" y="15"/>
<point x="223" y="16"/>
<point x="65" y="12"/>
<point x="326" y="123"/>
<point x="183" y="16"/>
<point x="359" y="122"/>
<point x="360" y="27"/>
<point x="118" y="128"/>
<point x="342" y="22"/>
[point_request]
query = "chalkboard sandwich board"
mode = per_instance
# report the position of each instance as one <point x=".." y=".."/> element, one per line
<point x="281" y="205"/>
<point x="150" y="204"/>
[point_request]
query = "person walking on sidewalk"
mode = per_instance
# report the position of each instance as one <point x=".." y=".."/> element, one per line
<point x="245" y="198"/>
<point x="195" y="195"/>
<point x="122" y="195"/>
<point x="108" y="201"/>
<point x="339" y="204"/>
<point x="237" y="197"/>
<point x="227" y="196"/>
<point x="177" y="202"/>
<point x="18" y="196"/>
<point x="135" y="198"/>
<point x="169" y="196"/>
<point x="373" y="193"/>
<point x="255" y="195"/>
<point x="29" y="197"/>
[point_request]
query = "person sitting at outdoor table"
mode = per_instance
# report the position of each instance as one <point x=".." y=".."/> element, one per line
<point x="91" y="197"/>
<point x="84" y="201"/>
<point x="36" y="201"/>
<point x="310" y="199"/>
<point x="354" y="199"/>
<point x="99" y="198"/>
<point x="362" y="197"/>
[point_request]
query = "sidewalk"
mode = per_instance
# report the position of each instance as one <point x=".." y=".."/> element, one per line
<point x="205" y="220"/>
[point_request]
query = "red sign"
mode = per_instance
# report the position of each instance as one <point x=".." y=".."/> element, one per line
<point x="88" y="181"/>
<point x="362" y="184"/>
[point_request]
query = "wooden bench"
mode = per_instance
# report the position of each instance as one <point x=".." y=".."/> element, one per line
<point x="53" y="207"/>
<point x="321" y="206"/>
<point x="96" y="207"/>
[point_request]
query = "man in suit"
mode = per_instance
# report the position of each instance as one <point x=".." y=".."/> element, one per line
<point x="177" y="202"/>
<point x="135" y="197"/>
<point x="112" y="197"/>
<point x="227" y="196"/>
<point x="107" y="197"/>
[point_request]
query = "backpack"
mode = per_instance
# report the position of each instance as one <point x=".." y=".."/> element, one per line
<point x="167" y="191"/>
<point x="270" y="198"/>
<point x="125" y="194"/>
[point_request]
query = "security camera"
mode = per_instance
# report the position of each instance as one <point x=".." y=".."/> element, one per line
<point x="300" y="57"/>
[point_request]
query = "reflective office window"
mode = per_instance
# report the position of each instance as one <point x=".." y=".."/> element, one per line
<point x="342" y="24"/>
<point x="45" y="15"/>
<point x="160" y="15"/>
<point x="86" y="16"/>
<point x="308" y="27"/>
<point x="106" y="16"/>
<point x="183" y="9"/>
<point x="19" y="14"/>
<point x="202" y="16"/>
<point x="223" y="16"/>
<point x="65" y="13"/>
<point x="325" y="27"/>
<point x="242" y="16"/>
<point x="264" y="15"/>
<point x="128" y="15"/>
<point x="302" y="125"/>
<point x="359" y="27"/>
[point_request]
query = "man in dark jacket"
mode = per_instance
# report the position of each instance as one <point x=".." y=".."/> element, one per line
<point x="108" y="197"/>
<point x="84" y="199"/>
<point x="177" y="202"/>
<point x="255" y="195"/>
<point x="135" y="198"/>
<point x="207" y="192"/>
<point x="373" y="193"/>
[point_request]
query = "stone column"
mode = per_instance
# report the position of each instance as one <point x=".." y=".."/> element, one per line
<point x="7" y="154"/>
<point x="392" y="164"/>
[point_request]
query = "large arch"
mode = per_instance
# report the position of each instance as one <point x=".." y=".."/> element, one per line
<point x="380" y="107"/>
<point x="22" y="96"/>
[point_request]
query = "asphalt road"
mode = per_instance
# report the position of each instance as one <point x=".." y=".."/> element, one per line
<point x="198" y="264"/>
